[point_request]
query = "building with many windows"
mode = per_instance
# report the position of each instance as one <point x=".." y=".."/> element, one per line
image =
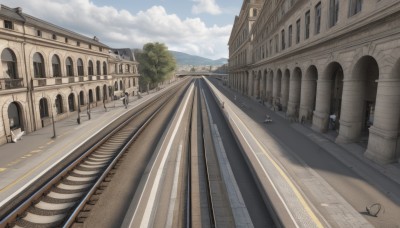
<point x="51" y="72"/>
<point x="333" y="63"/>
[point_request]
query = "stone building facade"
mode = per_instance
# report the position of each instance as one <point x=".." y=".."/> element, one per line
<point x="333" y="63"/>
<point x="50" y="72"/>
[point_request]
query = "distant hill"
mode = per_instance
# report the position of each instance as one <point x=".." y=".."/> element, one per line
<point x="186" y="59"/>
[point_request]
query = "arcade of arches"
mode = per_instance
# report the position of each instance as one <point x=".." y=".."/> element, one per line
<point x="358" y="102"/>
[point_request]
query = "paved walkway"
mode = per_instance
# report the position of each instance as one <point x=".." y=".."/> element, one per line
<point x="21" y="163"/>
<point x="337" y="179"/>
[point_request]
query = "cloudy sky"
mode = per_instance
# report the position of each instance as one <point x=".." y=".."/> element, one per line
<point x="198" y="27"/>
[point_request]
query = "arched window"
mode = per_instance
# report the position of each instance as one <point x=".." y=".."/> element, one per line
<point x="129" y="82"/>
<point x="104" y="68"/>
<point x="98" y="67"/>
<point x="55" y="62"/>
<point x="90" y="68"/>
<point x="115" y="86"/>
<point x="59" y="104"/>
<point x="69" y="66"/>
<point x="80" y="67"/>
<point x="90" y="96"/>
<point x="71" y="102"/>
<point x="43" y="108"/>
<point x="9" y="63"/>
<point x="121" y="69"/>
<point x="82" y="98"/>
<point x="38" y="66"/>
<point x="97" y="93"/>
<point x="121" y="87"/>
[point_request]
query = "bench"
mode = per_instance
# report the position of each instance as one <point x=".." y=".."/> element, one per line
<point x="16" y="134"/>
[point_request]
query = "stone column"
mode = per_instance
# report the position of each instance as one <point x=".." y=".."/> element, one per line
<point x="322" y="106"/>
<point x="307" y="98"/>
<point x="351" y="116"/>
<point x="384" y="143"/>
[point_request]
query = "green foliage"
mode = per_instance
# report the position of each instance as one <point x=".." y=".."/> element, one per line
<point x="155" y="64"/>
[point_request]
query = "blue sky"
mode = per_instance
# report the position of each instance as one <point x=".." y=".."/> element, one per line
<point x="198" y="27"/>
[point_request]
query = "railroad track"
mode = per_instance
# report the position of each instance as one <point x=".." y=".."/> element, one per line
<point x="206" y="188"/>
<point x="61" y="200"/>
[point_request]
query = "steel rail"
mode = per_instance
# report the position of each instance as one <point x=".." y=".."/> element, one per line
<point x="22" y="207"/>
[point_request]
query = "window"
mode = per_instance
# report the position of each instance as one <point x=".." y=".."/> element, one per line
<point x="276" y="43"/>
<point x="254" y="12"/>
<point x="333" y="12"/>
<point x="80" y="67"/>
<point x="8" y="24"/>
<point x="354" y="7"/>
<point x="38" y="66"/>
<point x="307" y="25"/>
<point x="290" y="36"/>
<point x="39" y="33"/>
<point x="283" y="39"/>
<point x="100" y="49"/>
<point x="66" y="39"/>
<point x="55" y="62"/>
<point x="104" y="68"/>
<point x="270" y="45"/>
<point x="90" y="46"/>
<point x="54" y="37"/>
<point x="9" y="63"/>
<point x="318" y="18"/>
<point x="98" y="68"/>
<point x="90" y="67"/>
<point x="69" y="67"/>
<point x="78" y="43"/>
<point x="297" y="31"/>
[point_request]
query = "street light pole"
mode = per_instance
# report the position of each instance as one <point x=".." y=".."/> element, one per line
<point x="54" y="126"/>
<point x="79" y="110"/>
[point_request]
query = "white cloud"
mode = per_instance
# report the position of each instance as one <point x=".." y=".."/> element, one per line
<point x="120" y="28"/>
<point x="206" y="6"/>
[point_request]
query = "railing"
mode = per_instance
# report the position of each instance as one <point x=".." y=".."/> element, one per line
<point x="81" y="79"/>
<point x="8" y="83"/>
<point x="98" y="77"/>
<point x="71" y="79"/>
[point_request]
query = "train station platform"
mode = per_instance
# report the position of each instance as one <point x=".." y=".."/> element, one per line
<point x="23" y="162"/>
<point x="316" y="182"/>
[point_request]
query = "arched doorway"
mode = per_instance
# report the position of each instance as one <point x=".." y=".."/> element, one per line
<point x="277" y="89"/>
<point x="90" y="96"/>
<point x="82" y="98"/>
<point x="98" y="94"/>
<point x="308" y="93"/>
<point x="329" y="98"/>
<point x="256" y="83"/>
<point x="294" y="94"/>
<point x="71" y="102"/>
<point x="59" y="104"/>
<point x="359" y="99"/>
<point x="270" y="86"/>
<point x="285" y="89"/>
<point x="15" y="116"/>
<point x="105" y="92"/>
<point x="44" y="110"/>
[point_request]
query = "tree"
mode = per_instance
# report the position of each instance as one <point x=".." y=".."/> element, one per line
<point x="155" y="64"/>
